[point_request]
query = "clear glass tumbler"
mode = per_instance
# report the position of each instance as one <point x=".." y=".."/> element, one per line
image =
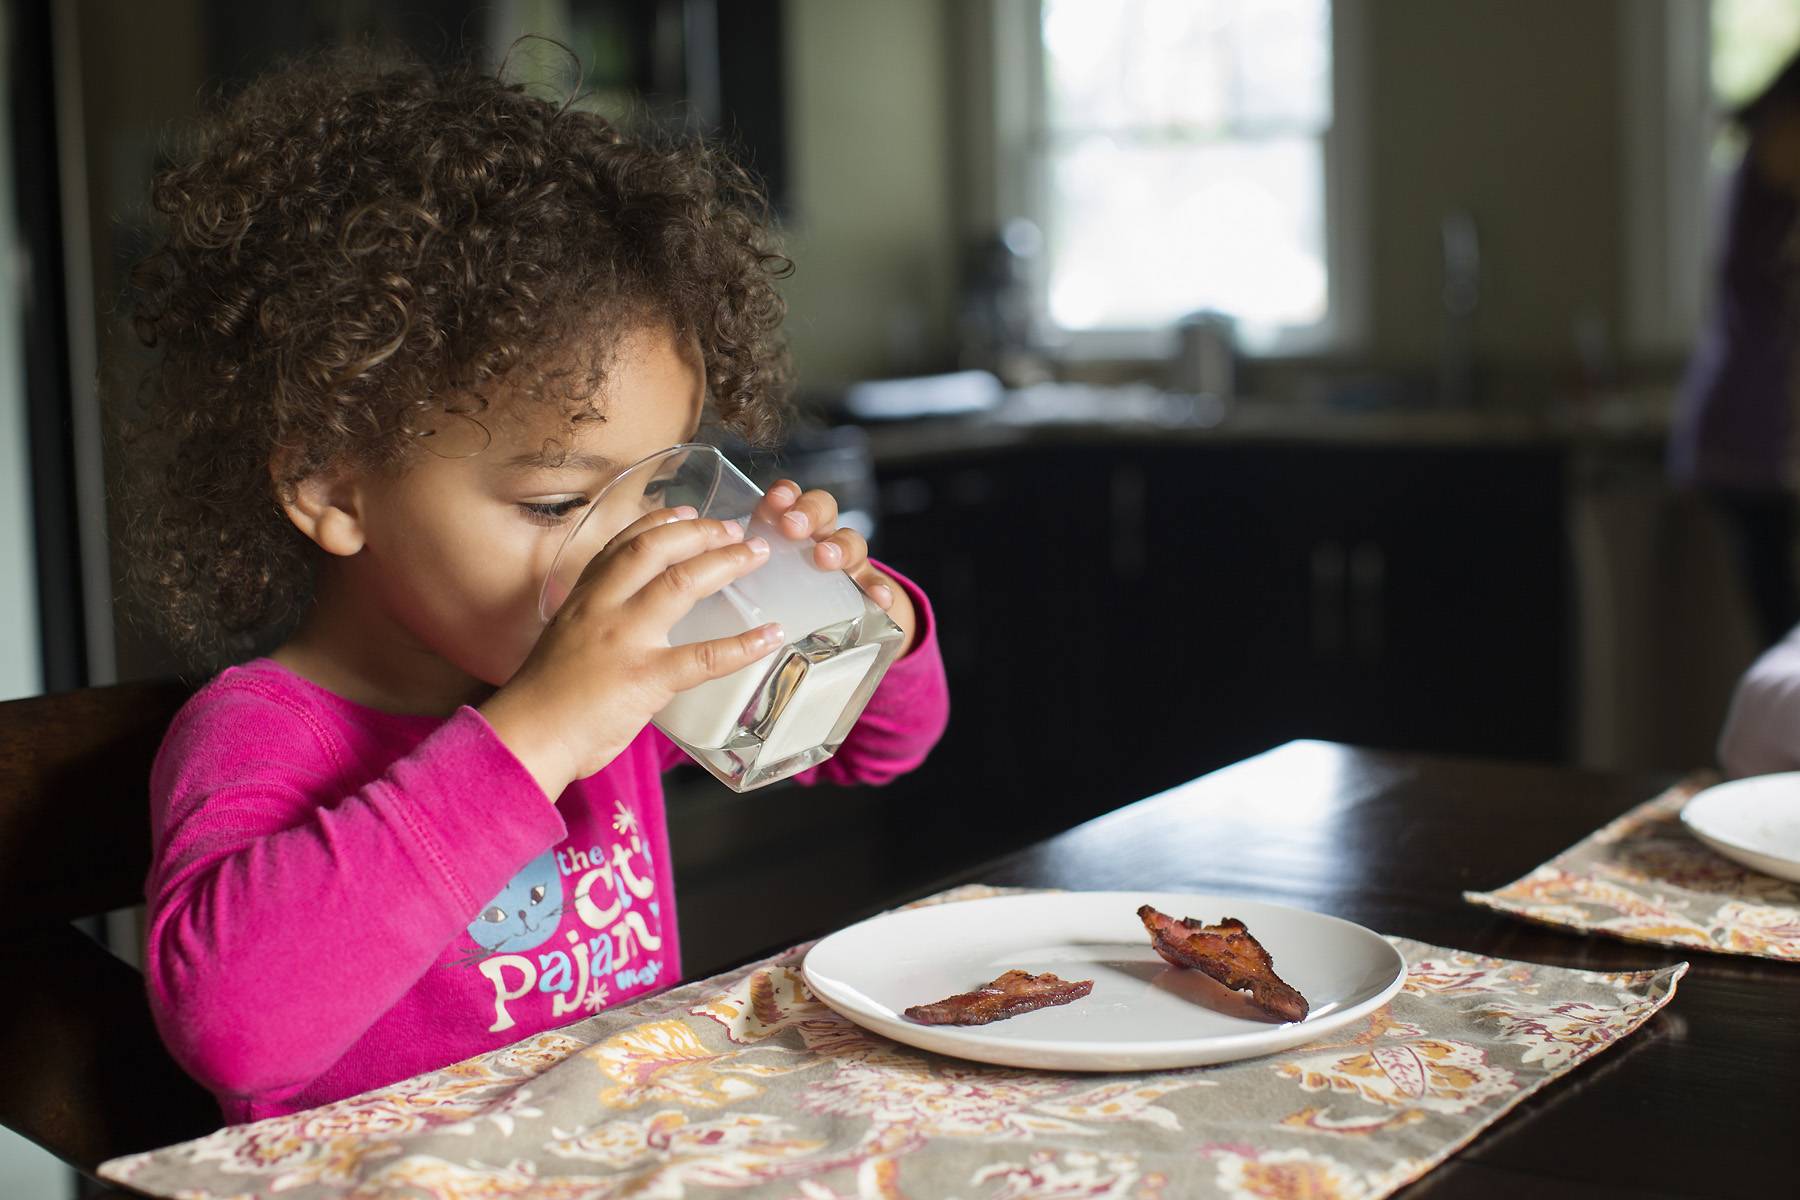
<point x="789" y="710"/>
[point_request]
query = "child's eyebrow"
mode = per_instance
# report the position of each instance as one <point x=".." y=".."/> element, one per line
<point x="539" y="460"/>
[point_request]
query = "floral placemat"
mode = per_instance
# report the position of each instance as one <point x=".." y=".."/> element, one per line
<point x="1645" y="878"/>
<point x="745" y="1084"/>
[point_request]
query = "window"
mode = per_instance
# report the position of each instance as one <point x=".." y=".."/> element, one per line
<point x="1187" y="155"/>
<point x="1748" y="42"/>
<point x="1751" y="41"/>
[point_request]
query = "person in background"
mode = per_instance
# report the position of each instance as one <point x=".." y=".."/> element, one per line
<point x="410" y="322"/>
<point x="1735" y="433"/>
<point x="1762" y="726"/>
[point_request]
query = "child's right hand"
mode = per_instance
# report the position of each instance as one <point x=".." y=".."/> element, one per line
<point x="604" y="664"/>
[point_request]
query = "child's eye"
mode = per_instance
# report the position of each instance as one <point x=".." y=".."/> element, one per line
<point x="552" y="512"/>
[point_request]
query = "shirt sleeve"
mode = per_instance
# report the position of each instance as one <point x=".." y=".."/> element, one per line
<point x="1762" y="727"/>
<point x="287" y="915"/>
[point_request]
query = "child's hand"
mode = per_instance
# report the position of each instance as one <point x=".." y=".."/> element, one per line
<point x="604" y="664"/>
<point x="814" y="514"/>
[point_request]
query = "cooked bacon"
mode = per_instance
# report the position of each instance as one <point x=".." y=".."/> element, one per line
<point x="1013" y="993"/>
<point x="1229" y="954"/>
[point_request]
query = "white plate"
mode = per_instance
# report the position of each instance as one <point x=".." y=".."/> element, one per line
<point x="1755" y="821"/>
<point x="1142" y="1014"/>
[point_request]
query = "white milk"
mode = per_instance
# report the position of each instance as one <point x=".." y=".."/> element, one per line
<point x="789" y="590"/>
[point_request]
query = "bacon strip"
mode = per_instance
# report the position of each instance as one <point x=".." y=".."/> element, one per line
<point x="1229" y="954"/>
<point x="1013" y="993"/>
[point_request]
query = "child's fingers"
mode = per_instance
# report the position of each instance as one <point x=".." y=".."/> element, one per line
<point x="814" y="514"/>
<point x="778" y="499"/>
<point x="680" y="585"/>
<point x="650" y="520"/>
<point x="628" y="565"/>
<point x="842" y="550"/>
<point x="598" y="554"/>
<point x="877" y="586"/>
<point x="691" y="665"/>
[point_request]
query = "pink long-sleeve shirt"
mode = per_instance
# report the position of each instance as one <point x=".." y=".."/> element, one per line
<point x="341" y="898"/>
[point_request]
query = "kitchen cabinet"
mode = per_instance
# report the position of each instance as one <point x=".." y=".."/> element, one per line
<point x="1412" y="598"/>
<point x="1118" y="617"/>
<point x="1010" y="548"/>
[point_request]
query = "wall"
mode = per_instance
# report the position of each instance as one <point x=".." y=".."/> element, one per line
<point x="21" y="672"/>
<point x="870" y="233"/>
<point x="1509" y="109"/>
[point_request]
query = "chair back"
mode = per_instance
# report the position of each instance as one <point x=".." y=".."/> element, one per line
<point x="86" y="1075"/>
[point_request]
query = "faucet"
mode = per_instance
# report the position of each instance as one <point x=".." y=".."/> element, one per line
<point x="1460" y="296"/>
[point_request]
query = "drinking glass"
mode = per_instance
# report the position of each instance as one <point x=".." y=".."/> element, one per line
<point x="789" y="710"/>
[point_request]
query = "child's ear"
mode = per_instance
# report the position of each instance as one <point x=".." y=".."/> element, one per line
<point x="326" y="507"/>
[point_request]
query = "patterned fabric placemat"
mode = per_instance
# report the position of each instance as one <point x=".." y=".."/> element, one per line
<point x="1645" y="878"/>
<point x="746" y="1085"/>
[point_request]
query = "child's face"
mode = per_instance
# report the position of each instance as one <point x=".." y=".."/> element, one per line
<point x="455" y="548"/>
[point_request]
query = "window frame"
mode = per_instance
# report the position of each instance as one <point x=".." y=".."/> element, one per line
<point x="1670" y="230"/>
<point x="1019" y="187"/>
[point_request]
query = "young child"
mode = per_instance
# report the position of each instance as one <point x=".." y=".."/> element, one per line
<point x="409" y="323"/>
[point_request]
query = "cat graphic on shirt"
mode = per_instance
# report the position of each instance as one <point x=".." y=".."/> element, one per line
<point x="526" y="911"/>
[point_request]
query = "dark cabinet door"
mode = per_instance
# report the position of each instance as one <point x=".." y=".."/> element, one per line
<point x="1459" y="593"/>
<point x="1415" y="598"/>
<point x="1196" y="611"/>
<point x="1004" y="544"/>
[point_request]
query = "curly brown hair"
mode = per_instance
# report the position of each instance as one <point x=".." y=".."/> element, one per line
<point x="358" y="242"/>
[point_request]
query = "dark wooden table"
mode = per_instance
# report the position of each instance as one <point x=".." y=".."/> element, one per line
<point x="1703" y="1100"/>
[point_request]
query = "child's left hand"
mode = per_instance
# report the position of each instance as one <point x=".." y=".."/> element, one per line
<point x="814" y="514"/>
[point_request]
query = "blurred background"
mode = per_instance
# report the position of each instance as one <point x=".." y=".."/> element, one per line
<point x="1227" y="371"/>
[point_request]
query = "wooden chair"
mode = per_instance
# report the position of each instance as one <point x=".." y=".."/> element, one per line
<point x="84" y="1073"/>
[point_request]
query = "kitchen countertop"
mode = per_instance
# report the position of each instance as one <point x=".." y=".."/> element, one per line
<point x="1063" y="413"/>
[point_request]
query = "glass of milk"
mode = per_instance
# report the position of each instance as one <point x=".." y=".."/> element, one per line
<point x="789" y="710"/>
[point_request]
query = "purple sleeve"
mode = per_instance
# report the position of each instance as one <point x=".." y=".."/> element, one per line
<point x="902" y="721"/>
<point x="287" y="913"/>
<point x="1762" y="728"/>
